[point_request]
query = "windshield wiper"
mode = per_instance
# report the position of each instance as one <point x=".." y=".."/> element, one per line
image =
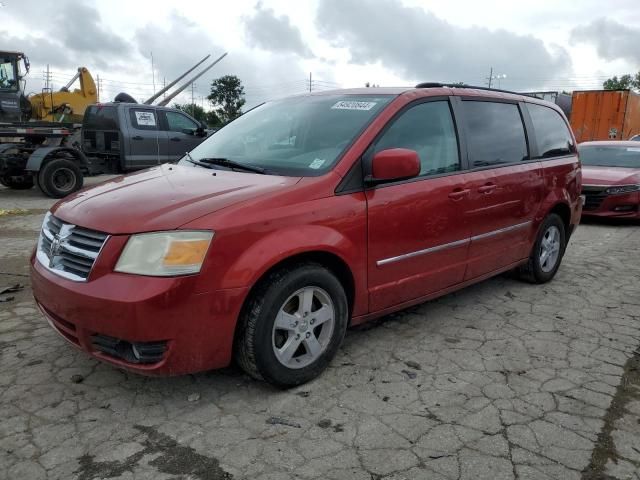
<point x="225" y="162"/>
<point x="195" y="162"/>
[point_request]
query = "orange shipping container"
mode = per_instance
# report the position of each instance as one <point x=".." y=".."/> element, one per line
<point x="605" y="115"/>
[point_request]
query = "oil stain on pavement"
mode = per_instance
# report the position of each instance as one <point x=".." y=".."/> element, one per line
<point x="174" y="459"/>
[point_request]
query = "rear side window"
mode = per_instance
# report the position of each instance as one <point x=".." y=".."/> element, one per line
<point x="98" y="117"/>
<point x="143" y="119"/>
<point x="495" y="133"/>
<point x="428" y="129"/>
<point x="552" y="134"/>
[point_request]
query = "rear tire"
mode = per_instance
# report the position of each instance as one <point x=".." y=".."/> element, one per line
<point x="25" y="183"/>
<point x="547" y="251"/>
<point x="311" y="335"/>
<point x="40" y="185"/>
<point x="60" y="177"/>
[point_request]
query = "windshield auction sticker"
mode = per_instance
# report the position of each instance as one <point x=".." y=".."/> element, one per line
<point x="353" y="105"/>
<point x="317" y="163"/>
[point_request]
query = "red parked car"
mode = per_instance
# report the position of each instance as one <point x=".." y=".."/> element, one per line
<point x="611" y="178"/>
<point x="303" y="216"/>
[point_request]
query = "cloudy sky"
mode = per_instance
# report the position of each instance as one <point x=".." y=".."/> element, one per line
<point x="273" y="45"/>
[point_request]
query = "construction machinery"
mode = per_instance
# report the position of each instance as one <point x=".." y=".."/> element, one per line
<point x="14" y="106"/>
<point x="40" y="145"/>
<point x="65" y="105"/>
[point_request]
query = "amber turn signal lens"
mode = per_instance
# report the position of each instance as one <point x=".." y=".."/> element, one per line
<point x="165" y="254"/>
<point x="186" y="252"/>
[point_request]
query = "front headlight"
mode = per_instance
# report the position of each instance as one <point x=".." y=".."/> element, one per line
<point x="165" y="254"/>
<point x="617" y="190"/>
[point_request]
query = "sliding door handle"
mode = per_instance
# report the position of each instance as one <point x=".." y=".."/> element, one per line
<point x="488" y="188"/>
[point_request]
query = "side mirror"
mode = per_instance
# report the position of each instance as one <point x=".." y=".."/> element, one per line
<point x="201" y="131"/>
<point x="394" y="164"/>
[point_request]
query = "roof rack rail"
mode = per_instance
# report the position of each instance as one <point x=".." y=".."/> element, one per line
<point x="462" y="85"/>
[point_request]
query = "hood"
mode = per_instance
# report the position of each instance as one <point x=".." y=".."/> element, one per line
<point x="162" y="198"/>
<point x="610" y="175"/>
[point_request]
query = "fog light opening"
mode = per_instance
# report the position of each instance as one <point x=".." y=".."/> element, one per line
<point x="131" y="352"/>
<point x="624" y="208"/>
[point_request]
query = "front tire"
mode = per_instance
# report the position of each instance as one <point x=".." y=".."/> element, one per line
<point x="292" y="325"/>
<point x="60" y="177"/>
<point x="547" y="251"/>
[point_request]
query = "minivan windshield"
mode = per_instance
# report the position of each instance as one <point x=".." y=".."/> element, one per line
<point x="610" y="156"/>
<point x="297" y="136"/>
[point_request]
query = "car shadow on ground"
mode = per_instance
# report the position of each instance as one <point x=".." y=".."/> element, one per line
<point x="610" y="221"/>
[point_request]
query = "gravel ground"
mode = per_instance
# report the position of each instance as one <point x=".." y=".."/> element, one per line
<point x="501" y="380"/>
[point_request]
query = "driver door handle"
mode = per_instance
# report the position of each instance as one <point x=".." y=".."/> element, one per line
<point x="459" y="194"/>
<point x="174" y="139"/>
<point x="137" y="137"/>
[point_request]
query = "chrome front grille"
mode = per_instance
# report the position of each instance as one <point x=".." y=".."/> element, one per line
<point x="68" y="250"/>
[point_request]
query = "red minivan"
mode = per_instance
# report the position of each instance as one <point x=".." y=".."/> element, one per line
<point x="302" y="217"/>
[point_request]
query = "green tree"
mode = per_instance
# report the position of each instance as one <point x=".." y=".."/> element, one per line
<point x="625" y="82"/>
<point x="212" y="119"/>
<point x="199" y="113"/>
<point x="196" y="111"/>
<point x="227" y="97"/>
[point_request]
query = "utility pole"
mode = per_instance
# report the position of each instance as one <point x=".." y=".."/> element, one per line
<point x="47" y="79"/>
<point x="98" y="78"/>
<point x="164" y="85"/>
<point x="193" y="105"/>
<point x="493" y="77"/>
<point x="153" y="75"/>
<point x="310" y="82"/>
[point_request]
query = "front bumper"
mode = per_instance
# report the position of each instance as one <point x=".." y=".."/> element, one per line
<point x="601" y="205"/>
<point x="196" y="329"/>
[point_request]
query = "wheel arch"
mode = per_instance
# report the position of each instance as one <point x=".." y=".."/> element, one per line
<point x="42" y="155"/>
<point x="333" y="262"/>
<point x="557" y="201"/>
<point x="563" y="210"/>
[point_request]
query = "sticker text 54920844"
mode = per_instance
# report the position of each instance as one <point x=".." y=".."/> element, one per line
<point x="353" y="105"/>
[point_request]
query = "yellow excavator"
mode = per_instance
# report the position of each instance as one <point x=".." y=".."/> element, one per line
<point x="65" y="105"/>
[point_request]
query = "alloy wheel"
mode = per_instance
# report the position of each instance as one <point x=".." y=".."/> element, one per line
<point x="549" y="249"/>
<point x="303" y="327"/>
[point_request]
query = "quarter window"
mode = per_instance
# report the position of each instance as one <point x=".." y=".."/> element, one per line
<point x="428" y="129"/>
<point x="99" y="117"/>
<point x="552" y="134"/>
<point x="495" y="133"/>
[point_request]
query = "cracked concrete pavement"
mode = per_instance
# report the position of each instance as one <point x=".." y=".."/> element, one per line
<point x="501" y="380"/>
